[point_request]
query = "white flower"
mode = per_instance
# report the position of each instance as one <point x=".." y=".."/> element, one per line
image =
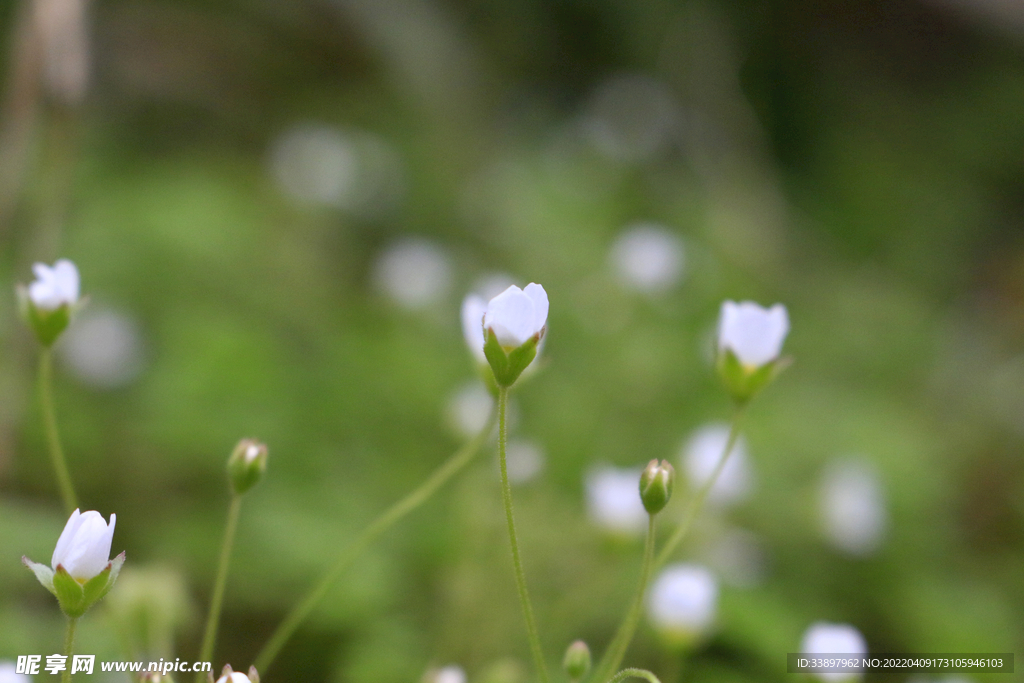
<point x="234" y="677"/>
<point x="852" y="505"/>
<point x="83" y="548"/>
<point x="613" y="499"/>
<point x="9" y="674"/>
<point x="473" y="309"/>
<point x="647" y="258"/>
<point x="683" y="600"/>
<point x="54" y="287"/>
<point x="700" y="456"/>
<point x="754" y="334"/>
<point x="516" y="314"/>
<point x="452" y="673"/>
<point x="822" y="637"/>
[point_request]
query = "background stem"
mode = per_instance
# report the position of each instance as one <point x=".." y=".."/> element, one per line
<point x="60" y="467"/>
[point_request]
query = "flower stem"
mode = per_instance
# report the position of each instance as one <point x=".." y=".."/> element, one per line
<point x="210" y="637"/>
<point x="353" y="550"/>
<point x="69" y="648"/>
<point x="634" y="673"/>
<point x="506" y="494"/>
<point x="60" y="467"/>
<point x="697" y="502"/>
<point x="620" y="642"/>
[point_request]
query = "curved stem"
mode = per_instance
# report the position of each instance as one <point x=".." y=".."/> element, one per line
<point x="60" y="467"/>
<point x="620" y="642"/>
<point x="210" y="637"/>
<point x="69" y="649"/>
<point x="506" y="495"/>
<point x="697" y="502"/>
<point x="351" y="552"/>
<point x="634" y="673"/>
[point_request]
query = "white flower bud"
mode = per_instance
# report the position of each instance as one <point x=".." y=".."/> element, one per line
<point x="227" y="675"/>
<point x="754" y="334"/>
<point x="682" y="602"/>
<point x="824" y="638"/>
<point x="83" y="548"/>
<point x="54" y="287"/>
<point x="517" y="315"/>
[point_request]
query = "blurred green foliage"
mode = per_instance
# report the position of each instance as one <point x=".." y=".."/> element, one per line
<point x="859" y="162"/>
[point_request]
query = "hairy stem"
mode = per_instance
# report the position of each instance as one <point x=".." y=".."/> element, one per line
<point x="506" y="494"/>
<point x="213" y="619"/>
<point x="69" y="649"/>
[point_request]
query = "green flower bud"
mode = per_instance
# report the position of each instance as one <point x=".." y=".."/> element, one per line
<point x="656" y="485"/>
<point x="577" y="660"/>
<point x="246" y="465"/>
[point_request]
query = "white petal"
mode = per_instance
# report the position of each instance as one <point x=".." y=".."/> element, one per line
<point x="753" y="333"/>
<point x="540" y="305"/>
<point x="511" y="316"/>
<point x="64" y="542"/>
<point x="66" y="276"/>
<point x="473" y="309"/>
<point x="89" y="550"/>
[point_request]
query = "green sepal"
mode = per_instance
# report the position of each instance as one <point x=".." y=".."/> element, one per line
<point x="70" y="593"/>
<point x="47" y="325"/>
<point x="98" y="586"/>
<point x="744" y="382"/>
<point x="508" y="365"/>
<point x="43" y="574"/>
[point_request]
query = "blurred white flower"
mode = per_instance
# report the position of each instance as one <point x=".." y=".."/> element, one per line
<point x="83" y="548"/>
<point x="700" y="455"/>
<point x="473" y="309"/>
<point x="103" y="348"/>
<point x="754" y="334"/>
<point x="822" y="637"/>
<point x="516" y="314"/>
<point x="682" y="602"/>
<point x="355" y="171"/>
<point x="9" y="674"/>
<point x="54" y="287"/>
<point x="413" y="272"/>
<point x="647" y="258"/>
<point x="452" y="673"/>
<point x="852" y="506"/>
<point x="739" y="557"/>
<point x="613" y="499"/>
<point x="469" y="408"/>
<point x="524" y="460"/>
<point x="632" y="118"/>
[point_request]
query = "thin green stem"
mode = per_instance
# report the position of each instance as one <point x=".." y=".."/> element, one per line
<point x="616" y="650"/>
<point x="210" y="637"/>
<point x="506" y="494"/>
<point x="634" y="673"/>
<point x="353" y="550"/>
<point x="697" y="502"/>
<point x="69" y="649"/>
<point x="60" y="467"/>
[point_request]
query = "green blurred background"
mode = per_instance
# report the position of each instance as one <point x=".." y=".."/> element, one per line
<point x="277" y="206"/>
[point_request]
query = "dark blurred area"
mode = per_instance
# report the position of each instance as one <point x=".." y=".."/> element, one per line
<point x="277" y="206"/>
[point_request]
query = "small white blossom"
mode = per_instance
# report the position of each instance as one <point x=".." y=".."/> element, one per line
<point x="853" y="512"/>
<point x="683" y="600"/>
<point x="453" y="673"/>
<point x="516" y="314"/>
<point x="234" y="677"/>
<point x="822" y="637"/>
<point x="473" y="309"/>
<point x="613" y="499"/>
<point x="54" y="286"/>
<point x="83" y="548"/>
<point x="9" y="674"/>
<point x="647" y="258"/>
<point x="700" y="456"/>
<point x="414" y="273"/>
<point x="754" y="334"/>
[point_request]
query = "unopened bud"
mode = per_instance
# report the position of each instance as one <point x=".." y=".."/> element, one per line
<point x="656" y="485"/>
<point x="246" y="465"/>
<point x="577" y="660"/>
